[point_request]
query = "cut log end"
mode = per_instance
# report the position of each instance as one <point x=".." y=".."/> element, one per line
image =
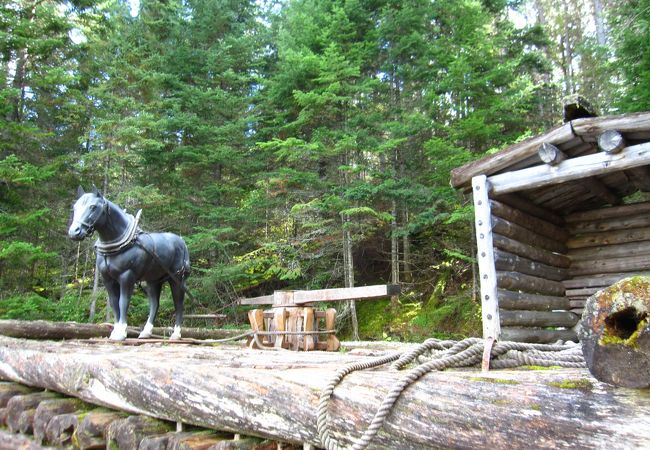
<point x="611" y="141"/>
<point x="615" y="333"/>
<point x="550" y="154"/>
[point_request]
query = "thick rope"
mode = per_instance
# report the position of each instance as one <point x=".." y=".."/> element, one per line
<point x="442" y="355"/>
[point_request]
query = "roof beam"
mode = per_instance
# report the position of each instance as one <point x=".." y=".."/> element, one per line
<point x="570" y="169"/>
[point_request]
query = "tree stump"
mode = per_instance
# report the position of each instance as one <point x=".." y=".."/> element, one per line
<point x="615" y="333"/>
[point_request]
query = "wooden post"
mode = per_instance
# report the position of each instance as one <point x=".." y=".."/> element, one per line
<point x="279" y="316"/>
<point x="308" y="325"/>
<point x="256" y="319"/>
<point x="333" y="343"/>
<point x="487" y="270"/>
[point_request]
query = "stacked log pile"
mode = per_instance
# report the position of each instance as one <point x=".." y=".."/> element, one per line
<point x="39" y="419"/>
<point x="531" y="262"/>
<point x="274" y="394"/>
<point x="606" y="245"/>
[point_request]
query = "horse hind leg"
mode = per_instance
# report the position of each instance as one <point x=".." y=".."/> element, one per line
<point x="153" y="293"/>
<point x="178" y="294"/>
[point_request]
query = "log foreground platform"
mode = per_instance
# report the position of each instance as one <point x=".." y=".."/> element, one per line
<point x="274" y="394"/>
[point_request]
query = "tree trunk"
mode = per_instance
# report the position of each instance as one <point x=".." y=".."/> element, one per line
<point x="273" y="394"/>
<point x="394" y="251"/>
<point x="348" y="273"/>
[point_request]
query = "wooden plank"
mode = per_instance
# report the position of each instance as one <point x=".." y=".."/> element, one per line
<point x="515" y="281"/>
<point x="521" y="234"/>
<point x="485" y="257"/>
<point x="262" y="300"/>
<point x="612" y="265"/>
<point x="529" y="222"/>
<point x="530" y="252"/>
<point x="613" y="237"/>
<point x="521" y="300"/>
<point x="510" y="262"/>
<point x="273" y="395"/>
<point x="570" y="169"/>
<point x="353" y="293"/>
<point x="537" y="335"/>
<point x="324" y="295"/>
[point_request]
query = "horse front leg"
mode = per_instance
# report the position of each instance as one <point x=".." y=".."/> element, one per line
<point x="113" y="291"/>
<point x="153" y="293"/>
<point x="127" y="283"/>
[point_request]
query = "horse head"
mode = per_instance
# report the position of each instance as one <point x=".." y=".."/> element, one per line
<point x="87" y="213"/>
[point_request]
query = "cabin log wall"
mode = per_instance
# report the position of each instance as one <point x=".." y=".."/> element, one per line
<point x="606" y="245"/>
<point x="531" y="263"/>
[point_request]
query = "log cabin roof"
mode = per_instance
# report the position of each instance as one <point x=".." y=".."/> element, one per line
<point x="576" y="138"/>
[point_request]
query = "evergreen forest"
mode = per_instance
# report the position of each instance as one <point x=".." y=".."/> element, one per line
<point x="294" y="144"/>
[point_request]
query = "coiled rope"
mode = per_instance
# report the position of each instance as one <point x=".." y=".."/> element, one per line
<point x="434" y="354"/>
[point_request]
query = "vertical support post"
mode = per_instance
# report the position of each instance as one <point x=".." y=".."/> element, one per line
<point x="485" y="256"/>
<point x="333" y="343"/>
<point x="256" y="319"/>
<point x="308" y="325"/>
<point x="279" y="316"/>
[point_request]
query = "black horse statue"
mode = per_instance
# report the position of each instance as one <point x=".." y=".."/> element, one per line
<point x="126" y="255"/>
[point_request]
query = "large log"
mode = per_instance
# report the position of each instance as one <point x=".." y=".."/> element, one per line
<point x="530" y="252"/>
<point x="273" y="394"/>
<point x="521" y="234"/>
<point x="538" y="318"/>
<point x="522" y="204"/>
<point x="537" y="335"/>
<point x="610" y="251"/>
<point x="640" y="220"/>
<point x="613" y="237"/>
<point x="609" y="213"/>
<point x="515" y="300"/>
<point x="509" y="262"/>
<point x="615" y="333"/>
<point x="514" y="281"/>
<point x="587" y="129"/>
<point x="611" y="265"/>
<point x="42" y="329"/>
<point x="570" y="170"/>
<point x="532" y="223"/>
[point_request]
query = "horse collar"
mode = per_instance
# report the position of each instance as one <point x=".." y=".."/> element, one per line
<point x="122" y="242"/>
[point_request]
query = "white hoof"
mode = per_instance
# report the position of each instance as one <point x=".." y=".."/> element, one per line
<point x="176" y="335"/>
<point x="146" y="332"/>
<point x="118" y="333"/>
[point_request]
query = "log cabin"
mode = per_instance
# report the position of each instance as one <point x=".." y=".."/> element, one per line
<point x="558" y="217"/>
